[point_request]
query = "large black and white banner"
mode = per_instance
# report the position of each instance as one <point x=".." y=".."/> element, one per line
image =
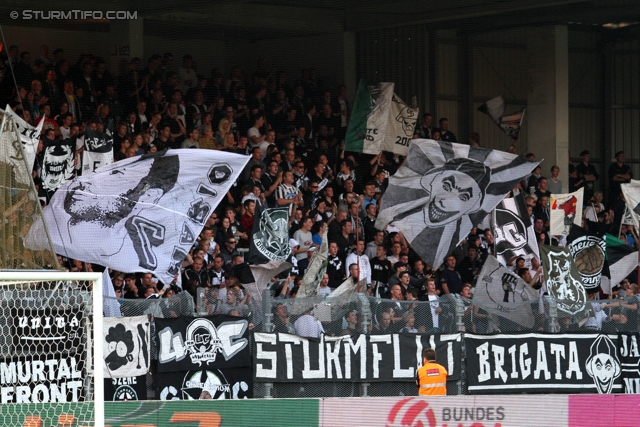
<point x="543" y="363"/>
<point x="282" y="357"/>
<point x="42" y="379"/>
<point x="563" y="279"/>
<point x="503" y="293"/>
<point x="58" y="164"/>
<point x="30" y="138"/>
<point x="270" y="236"/>
<point x="445" y="189"/>
<point x="589" y="251"/>
<point x="141" y="214"/>
<point x="47" y="331"/>
<point x="206" y="384"/>
<point x="630" y="362"/>
<point x="127" y="346"/>
<point x="513" y="231"/>
<point x="125" y="389"/>
<point x="191" y="344"/>
<point x="98" y="150"/>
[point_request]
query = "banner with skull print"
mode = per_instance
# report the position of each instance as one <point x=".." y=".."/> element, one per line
<point x="380" y="120"/>
<point x="445" y="189"/>
<point x="58" y="164"/>
<point x="501" y="292"/>
<point x="141" y="214"/>
<point x="127" y="346"/>
<point x="190" y="344"/>
<point x="563" y="279"/>
<point x="270" y="236"/>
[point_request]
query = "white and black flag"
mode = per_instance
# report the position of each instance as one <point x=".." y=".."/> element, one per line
<point x="58" y="163"/>
<point x="30" y="138"/>
<point x="127" y="346"/>
<point x="141" y="214"/>
<point x="445" y="189"/>
<point x="631" y="192"/>
<point x="589" y="253"/>
<point x="510" y="124"/>
<point x="501" y="292"/>
<point x="513" y="231"/>
<point x="98" y="150"/>
<point x="270" y="236"/>
<point x="563" y="279"/>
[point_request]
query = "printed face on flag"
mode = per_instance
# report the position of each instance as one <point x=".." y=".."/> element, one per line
<point x="453" y="191"/>
<point x="140" y="214"/>
<point x="443" y="190"/>
<point x="104" y="203"/>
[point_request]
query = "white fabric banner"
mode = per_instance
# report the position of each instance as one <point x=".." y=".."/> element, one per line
<point x="92" y="160"/>
<point x="141" y="214"/>
<point x="500" y="291"/>
<point x="566" y="209"/>
<point x="631" y="192"/>
<point x="401" y="124"/>
<point x="127" y="346"/>
<point x="378" y="119"/>
<point x="98" y="150"/>
<point x="29" y="136"/>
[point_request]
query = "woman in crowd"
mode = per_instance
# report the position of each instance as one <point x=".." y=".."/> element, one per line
<point x="224" y="232"/>
<point x="121" y="154"/>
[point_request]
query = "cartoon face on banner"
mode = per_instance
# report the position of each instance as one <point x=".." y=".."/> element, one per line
<point x="58" y="166"/>
<point x="272" y="240"/>
<point x="562" y="285"/>
<point x="126" y="346"/>
<point x="407" y="117"/>
<point x="603" y="364"/>
<point x="455" y="189"/>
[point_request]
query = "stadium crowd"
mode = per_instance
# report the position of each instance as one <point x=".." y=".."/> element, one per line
<point x="294" y="132"/>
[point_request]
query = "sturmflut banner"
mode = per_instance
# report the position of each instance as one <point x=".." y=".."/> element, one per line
<point x="543" y="363"/>
<point x="283" y="357"/>
<point x="193" y="344"/>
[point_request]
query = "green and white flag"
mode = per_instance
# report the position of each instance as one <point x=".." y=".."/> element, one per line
<point x="380" y="121"/>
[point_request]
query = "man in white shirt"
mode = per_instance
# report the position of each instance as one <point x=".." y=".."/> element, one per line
<point x="255" y="138"/>
<point x="358" y="257"/>
<point x="307" y="326"/>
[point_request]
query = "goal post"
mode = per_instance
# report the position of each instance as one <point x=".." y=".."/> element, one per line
<point x="26" y="300"/>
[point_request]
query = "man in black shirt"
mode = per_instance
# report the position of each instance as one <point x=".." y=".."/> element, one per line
<point x="470" y="266"/>
<point x="380" y="270"/>
<point x="586" y="176"/>
<point x="335" y="266"/>
<point x="619" y="173"/>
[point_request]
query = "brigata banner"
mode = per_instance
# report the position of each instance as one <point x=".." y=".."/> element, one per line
<point x="42" y="379"/>
<point x="541" y="363"/>
<point x="206" y="384"/>
<point x="192" y="344"/>
<point x="393" y="357"/>
<point x="630" y="362"/>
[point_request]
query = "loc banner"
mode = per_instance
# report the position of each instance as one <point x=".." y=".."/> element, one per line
<point x="192" y="344"/>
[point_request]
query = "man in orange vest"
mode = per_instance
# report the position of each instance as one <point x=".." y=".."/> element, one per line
<point x="432" y="377"/>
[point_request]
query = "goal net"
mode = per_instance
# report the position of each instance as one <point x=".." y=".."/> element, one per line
<point x="48" y="350"/>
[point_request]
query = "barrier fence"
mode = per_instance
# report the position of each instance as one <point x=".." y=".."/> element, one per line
<point x="462" y="411"/>
<point x="450" y="319"/>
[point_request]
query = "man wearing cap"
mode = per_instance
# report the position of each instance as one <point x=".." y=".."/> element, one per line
<point x="619" y="173"/>
<point x="586" y="176"/>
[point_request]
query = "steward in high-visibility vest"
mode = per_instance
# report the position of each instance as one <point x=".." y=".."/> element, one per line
<point x="432" y="377"/>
